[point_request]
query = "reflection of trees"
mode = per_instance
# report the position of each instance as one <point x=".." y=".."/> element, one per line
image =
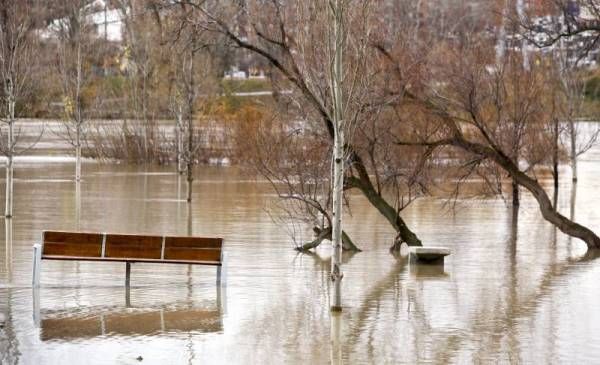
<point x="9" y="343"/>
<point x="491" y="325"/>
<point x="374" y="299"/>
<point x="8" y="240"/>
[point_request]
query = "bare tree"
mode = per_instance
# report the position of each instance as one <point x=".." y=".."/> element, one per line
<point x="143" y="58"/>
<point x="192" y="86"/>
<point x="17" y="40"/>
<point x="573" y="35"/>
<point x="74" y="31"/>
<point x="271" y="30"/>
<point x="470" y="109"/>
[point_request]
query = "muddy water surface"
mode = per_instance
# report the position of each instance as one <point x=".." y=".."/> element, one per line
<point x="514" y="290"/>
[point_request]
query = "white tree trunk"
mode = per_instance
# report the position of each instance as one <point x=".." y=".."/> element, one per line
<point x="78" y="113"/>
<point x="525" y="54"/>
<point x="573" y="133"/>
<point x="8" y="212"/>
<point x="78" y="153"/>
<point x="179" y="131"/>
<point x="338" y="159"/>
<point x="77" y="205"/>
<point x="9" y="186"/>
<point x="338" y="184"/>
<point x="501" y="43"/>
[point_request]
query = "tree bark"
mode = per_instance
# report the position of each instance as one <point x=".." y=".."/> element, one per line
<point x="404" y="234"/>
<point x="515" y="194"/>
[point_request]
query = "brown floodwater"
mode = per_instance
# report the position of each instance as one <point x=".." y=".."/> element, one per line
<point x="514" y="289"/>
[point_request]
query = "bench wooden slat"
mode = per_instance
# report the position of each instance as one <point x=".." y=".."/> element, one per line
<point x="132" y="259"/>
<point x="190" y="253"/>
<point x="123" y="246"/>
<point x="72" y="244"/>
<point x="196" y="242"/>
<point x="131" y="248"/>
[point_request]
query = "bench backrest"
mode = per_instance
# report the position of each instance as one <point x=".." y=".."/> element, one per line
<point x="127" y="246"/>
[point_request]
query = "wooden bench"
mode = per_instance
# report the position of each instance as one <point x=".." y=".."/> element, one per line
<point x="128" y="248"/>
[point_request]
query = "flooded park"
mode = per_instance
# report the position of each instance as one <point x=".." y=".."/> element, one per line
<point x="514" y="289"/>
<point x="299" y="182"/>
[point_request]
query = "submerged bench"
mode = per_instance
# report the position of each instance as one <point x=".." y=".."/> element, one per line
<point x="429" y="255"/>
<point x="77" y="246"/>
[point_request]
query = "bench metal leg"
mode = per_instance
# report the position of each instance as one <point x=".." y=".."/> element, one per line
<point x="127" y="296"/>
<point x="36" y="307"/>
<point x="127" y="273"/>
<point x="222" y="298"/>
<point x="222" y="271"/>
<point x="37" y="265"/>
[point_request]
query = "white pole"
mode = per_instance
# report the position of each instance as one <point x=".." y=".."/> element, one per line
<point x="9" y="248"/>
<point x="222" y="284"/>
<point x="78" y="115"/>
<point x="338" y="158"/>
<point x="78" y="153"/>
<point x="336" y="339"/>
<point x="9" y="182"/>
<point x="9" y="158"/>
<point x="37" y="265"/>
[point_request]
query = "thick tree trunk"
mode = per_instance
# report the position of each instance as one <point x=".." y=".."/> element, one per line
<point x="515" y="194"/>
<point x="566" y="225"/>
<point x="363" y="183"/>
<point x="325" y="234"/>
<point x="190" y="179"/>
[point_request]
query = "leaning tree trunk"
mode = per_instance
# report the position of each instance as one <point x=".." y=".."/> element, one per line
<point x="566" y="225"/>
<point x="364" y="184"/>
<point x="325" y="234"/>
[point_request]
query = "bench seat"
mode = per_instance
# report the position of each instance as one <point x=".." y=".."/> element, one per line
<point x="128" y="248"/>
<point x="129" y="259"/>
